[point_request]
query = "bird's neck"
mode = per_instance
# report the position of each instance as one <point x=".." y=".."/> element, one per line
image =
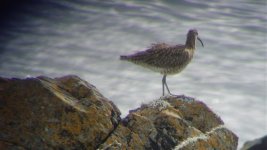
<point x="190" y="42"/>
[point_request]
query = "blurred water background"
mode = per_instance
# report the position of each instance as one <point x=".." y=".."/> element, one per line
<point x="86" y="37"/>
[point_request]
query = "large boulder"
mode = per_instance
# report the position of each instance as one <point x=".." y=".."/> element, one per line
<point x="69" y="113"/>
<point x="256" y="144"/>
<point x="61" y="113"/>
<point x="179" y="123"/>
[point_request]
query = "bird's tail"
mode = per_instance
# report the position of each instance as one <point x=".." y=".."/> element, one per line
<point x="123" y="57"/>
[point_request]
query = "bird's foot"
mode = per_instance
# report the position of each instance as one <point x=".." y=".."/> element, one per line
<point x="182" y="96"/>
<point x="175" y="95"/>
<point x="171" y="95"/>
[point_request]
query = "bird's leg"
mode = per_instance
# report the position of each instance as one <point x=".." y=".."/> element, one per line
<point x="163" y="82"/>
<point x="166" y="85"/>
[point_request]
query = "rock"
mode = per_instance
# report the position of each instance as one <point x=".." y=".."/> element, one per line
<point x="69" y="113"/>
<point x="60" y="113"/>
<point x="179" y="123"/>
<point x="257" y="144"/>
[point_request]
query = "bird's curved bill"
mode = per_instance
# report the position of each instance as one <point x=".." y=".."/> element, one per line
<point x="200" y="41"/>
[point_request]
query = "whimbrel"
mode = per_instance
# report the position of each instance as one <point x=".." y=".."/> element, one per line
<point x="166" y="59"/>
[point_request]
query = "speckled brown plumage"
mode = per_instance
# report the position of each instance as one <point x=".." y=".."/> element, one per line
<point x="166" y="59"/>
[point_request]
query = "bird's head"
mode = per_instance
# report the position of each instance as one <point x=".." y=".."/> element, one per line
<point x="193" y="34"/>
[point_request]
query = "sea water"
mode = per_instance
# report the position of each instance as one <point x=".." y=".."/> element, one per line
<point x="86" y="38"/>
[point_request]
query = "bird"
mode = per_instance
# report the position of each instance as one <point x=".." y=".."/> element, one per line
<point x="166" y="59"/>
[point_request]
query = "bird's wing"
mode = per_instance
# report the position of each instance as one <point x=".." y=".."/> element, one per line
<point x="161" y="55"/>
<point x="159" y="46"/>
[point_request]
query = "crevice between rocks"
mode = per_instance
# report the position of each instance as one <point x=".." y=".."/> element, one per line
<point x="110" y="133"/>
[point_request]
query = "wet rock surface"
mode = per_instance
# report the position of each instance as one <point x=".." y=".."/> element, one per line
<point x="70" y="113"/>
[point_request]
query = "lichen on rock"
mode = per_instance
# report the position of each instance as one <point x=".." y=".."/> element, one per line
<point x="159" y="104"/>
